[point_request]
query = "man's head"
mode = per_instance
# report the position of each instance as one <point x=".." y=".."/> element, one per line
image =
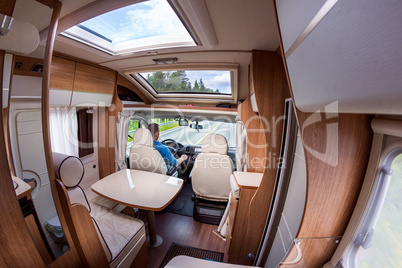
<point x="154" y="129"/>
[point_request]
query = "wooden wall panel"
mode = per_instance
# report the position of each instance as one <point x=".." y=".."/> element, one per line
<point x="332" y="190"/>
<point x="62" y="74"/>
<point x="92" y="79"/>
<point x="256" y="150"/>
<point x="268" y="82"/>
<point x="106" y="136"/>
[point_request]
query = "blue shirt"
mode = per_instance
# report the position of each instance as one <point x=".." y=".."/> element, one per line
<point x="166" y="154"/>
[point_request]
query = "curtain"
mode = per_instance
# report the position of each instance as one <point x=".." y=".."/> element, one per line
<point x="241" y="145"/>
<point x="85" y="132"/>
<point x="123" y="120"/>
<point x="63" y="130"/>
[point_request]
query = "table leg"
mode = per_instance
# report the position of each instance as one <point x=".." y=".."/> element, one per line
<point x="153" y="240"/>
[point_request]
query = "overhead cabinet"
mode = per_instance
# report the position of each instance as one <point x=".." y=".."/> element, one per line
<point x="78" y="84"/>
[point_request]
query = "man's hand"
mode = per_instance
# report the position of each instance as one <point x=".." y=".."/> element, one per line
<point x="182" y="158"/>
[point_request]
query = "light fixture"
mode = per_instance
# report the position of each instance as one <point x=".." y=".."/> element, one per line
<point x="165" y="61"/>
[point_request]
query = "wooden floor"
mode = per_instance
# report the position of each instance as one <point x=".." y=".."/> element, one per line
<point x="183" y="230"/>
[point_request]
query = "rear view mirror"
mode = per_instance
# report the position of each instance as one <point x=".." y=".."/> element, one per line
<point x="196" y="126"/>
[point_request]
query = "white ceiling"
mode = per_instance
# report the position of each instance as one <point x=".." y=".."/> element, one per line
<point x="240" y="26"/>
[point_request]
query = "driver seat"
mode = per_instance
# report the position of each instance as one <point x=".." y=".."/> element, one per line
<point x="143" y="155"/>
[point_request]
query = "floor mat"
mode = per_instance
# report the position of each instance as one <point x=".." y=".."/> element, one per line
<point x="177" y="249"/>
<point x="183" y="204"/>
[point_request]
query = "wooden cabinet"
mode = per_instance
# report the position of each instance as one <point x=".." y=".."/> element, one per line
<point x="248" y="184"/>
<point x="62" y="74"/>
<point x="92" y="79"/>
<point x="75" y="83"/>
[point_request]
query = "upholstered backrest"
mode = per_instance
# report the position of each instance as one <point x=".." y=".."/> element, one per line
<point x="143" y="156"/>
<point x="215" y="143"/>
<point x="212" y="169"/>
<point x="70" y="170"/>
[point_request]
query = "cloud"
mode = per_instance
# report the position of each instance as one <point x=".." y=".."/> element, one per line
<point x="145" y="19"/>
<point x="212" y="79"/>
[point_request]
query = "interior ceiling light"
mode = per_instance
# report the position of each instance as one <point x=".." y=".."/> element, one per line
<point x="165" y="61"/>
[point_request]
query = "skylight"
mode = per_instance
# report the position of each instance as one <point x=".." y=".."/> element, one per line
<point x="189" y="81"/>
<point x="146" y="25"/>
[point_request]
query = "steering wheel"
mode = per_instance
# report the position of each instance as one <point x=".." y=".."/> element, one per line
<point x="172" y="149"/>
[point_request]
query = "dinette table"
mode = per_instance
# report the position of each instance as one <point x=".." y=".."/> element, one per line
<point x="140" y="189"/>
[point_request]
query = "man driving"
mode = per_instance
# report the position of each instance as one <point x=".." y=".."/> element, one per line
<point x="170" y="160"/>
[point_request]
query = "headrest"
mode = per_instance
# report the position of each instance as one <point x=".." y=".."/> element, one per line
<point x="69" y="169"/>
<point x="215" y="143"/>
<point x="143" y="137"/>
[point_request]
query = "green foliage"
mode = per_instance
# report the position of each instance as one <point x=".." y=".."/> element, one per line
<point x="176" y="81"/>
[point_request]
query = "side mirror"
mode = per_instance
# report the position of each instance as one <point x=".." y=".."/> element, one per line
<point x="195" y="126"/>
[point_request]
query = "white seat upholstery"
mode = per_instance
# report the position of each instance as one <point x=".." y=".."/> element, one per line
<point x="185" y="261"/>
<point x="212" y="169"/>
<point x="121" y="236"/>
<point x="143" y="155"/>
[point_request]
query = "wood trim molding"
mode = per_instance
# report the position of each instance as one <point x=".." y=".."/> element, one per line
<point x="70" y="258"/>
<point x="16" y="244"/>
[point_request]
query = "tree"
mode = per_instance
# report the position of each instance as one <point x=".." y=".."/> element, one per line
<point x="196" y="87"/>
<point x="157" y="80"/>
<point x="202" y="86"/>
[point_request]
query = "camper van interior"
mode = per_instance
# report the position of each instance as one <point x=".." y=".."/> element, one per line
<point x="201" y="133"/>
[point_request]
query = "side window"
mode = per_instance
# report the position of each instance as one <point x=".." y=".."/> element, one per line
<point x="379" y="241"/>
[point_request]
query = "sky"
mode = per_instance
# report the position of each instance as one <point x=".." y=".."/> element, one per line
<point x="145" y="19"/>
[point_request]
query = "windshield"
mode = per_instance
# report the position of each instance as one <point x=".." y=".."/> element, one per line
<point x="191" y="136"/>
<point x="188" y="135"/>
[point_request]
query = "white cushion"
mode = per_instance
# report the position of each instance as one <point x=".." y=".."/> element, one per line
<point x="185" y="262"/>
<point x="143" y="137"/>
<point x="215" y="143"/>
<point x="211" y="174"/>
<point x="119" y="232"/>
<point x="69" y="169"/>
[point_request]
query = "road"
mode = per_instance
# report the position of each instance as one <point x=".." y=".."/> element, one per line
<point x="190" y="136"/>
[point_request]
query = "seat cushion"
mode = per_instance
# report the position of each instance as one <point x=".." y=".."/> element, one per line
<point x="119" y="232"/>
<point x="185" y="262"/>
<point x="69" y="169"/>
